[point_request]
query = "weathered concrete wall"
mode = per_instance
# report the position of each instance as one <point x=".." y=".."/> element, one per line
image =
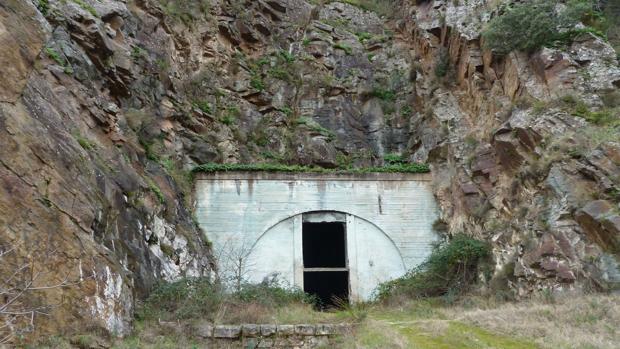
<point x="258" y="216"/>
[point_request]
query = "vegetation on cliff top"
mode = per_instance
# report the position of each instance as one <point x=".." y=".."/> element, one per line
<point x="390" y="168"/>
<point x="530" y="25"/>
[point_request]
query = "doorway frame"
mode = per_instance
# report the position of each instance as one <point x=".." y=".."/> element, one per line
<point x="350" y="247"/>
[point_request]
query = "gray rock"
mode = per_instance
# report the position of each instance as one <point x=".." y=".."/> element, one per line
<point x="285" y="330"/>
<point x="267" y="330"/>
<point x="250" y="330"/>
<point x="226" y="331"/>
<point x="305" y="330"/>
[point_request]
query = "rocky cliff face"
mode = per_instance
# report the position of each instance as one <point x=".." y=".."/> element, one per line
<point x="513" y="164"/>
<point x="105" y="106"/>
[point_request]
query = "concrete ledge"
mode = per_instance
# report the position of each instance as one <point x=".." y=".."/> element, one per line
<point x="251" y="175"/>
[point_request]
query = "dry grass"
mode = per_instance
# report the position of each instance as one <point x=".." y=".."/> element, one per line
<point x="569" y="322"/>
<point x="587" y="322"/>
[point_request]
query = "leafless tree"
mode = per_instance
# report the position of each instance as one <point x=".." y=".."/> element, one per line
<point x="19" y="281"/>
<point x="235" y="263"/>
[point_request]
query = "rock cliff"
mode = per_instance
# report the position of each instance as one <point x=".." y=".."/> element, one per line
<point x="106" y="105"/>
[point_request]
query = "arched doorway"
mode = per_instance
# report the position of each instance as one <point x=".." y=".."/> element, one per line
<point x="327" y="253"/>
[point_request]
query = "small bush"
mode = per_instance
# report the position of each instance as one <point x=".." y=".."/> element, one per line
<point x="443" y="64"/>
<point x="204" y="106"/>
<point x="394" y="159"/>
<point x="384" y="94"/>
<point x="183" y="299"/>
<point x="186" y="12"/>
<point x="449" y="271"/>
<point x="193" y="298"/>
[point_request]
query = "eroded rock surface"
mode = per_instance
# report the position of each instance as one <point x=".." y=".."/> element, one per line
<point x="106" y="104"/>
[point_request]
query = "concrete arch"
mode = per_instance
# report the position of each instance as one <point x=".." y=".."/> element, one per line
<point x="372" y="255"/>
<point x="301" y="212"/>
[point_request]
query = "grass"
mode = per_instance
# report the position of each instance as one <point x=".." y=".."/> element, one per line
<point x="84" y="142"/>
<point x="397" y="168"/>
<point x="346" y="48"/>
<point x="580" y="322"/>
<point x="154" y="188"/>
<point x="86" y="7"/>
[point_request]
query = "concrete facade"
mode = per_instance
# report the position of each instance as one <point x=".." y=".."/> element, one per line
<point x="255" y="223"/>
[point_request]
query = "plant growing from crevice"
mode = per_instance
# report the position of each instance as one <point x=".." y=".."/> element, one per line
<point x="346" y="48"/>
<point x="154" y="188"/>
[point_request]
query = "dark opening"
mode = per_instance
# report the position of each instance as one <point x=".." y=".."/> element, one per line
<point x="324" y="245"/>
<point x="324" y="250"/>
<point x="330" y="287"/>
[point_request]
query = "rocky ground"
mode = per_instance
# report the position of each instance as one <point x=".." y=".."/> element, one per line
<point x="106" y="105"/>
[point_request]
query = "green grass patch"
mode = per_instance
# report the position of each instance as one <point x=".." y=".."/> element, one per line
<point x="457" y="335"/>
<point x="86" y="7"/>
<point x="346" y="48"/>
<point x="55" y="56"/>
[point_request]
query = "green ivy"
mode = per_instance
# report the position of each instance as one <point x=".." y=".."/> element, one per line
<point x="392" y="168"/>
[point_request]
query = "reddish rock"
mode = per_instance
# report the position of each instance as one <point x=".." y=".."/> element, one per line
<point x="601" y="222"/>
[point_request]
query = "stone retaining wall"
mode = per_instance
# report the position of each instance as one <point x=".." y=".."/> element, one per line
<point x="300" y="336"/>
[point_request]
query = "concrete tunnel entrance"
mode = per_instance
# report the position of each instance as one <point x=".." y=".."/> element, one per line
<point x="328" y="234"/>
<point x="326" y="272"/>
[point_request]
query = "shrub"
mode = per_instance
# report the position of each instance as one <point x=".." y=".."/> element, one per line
<point x="530" y="25"/>
<point x="526" y="27"/>
<point x="204" y="106"/>
<point x="183" y="299"/>
<point x="186" y="12"/>
<point x="192" y="298"/>
<point x="383" y="94"/>
<point x="273" y="293"/>
<point x="449" y="271"/>
<point x="443" y="64"/>
<point x="394" y="159"/>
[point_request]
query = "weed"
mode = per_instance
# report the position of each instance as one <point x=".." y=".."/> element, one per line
<point x="43" y="6"/>
<point x="406" y="111"/>
<point x="86" y="7"/>
<point x="204" y="106"/>
<point x="85" y="143"/>
<point x="54" y="55"/>
<point x="346" y="48"/>
<point x="394" y="159"/>
<point x="383" y="94"/>
<point x="443" y="64"/>
<point x="155" y="189"/>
